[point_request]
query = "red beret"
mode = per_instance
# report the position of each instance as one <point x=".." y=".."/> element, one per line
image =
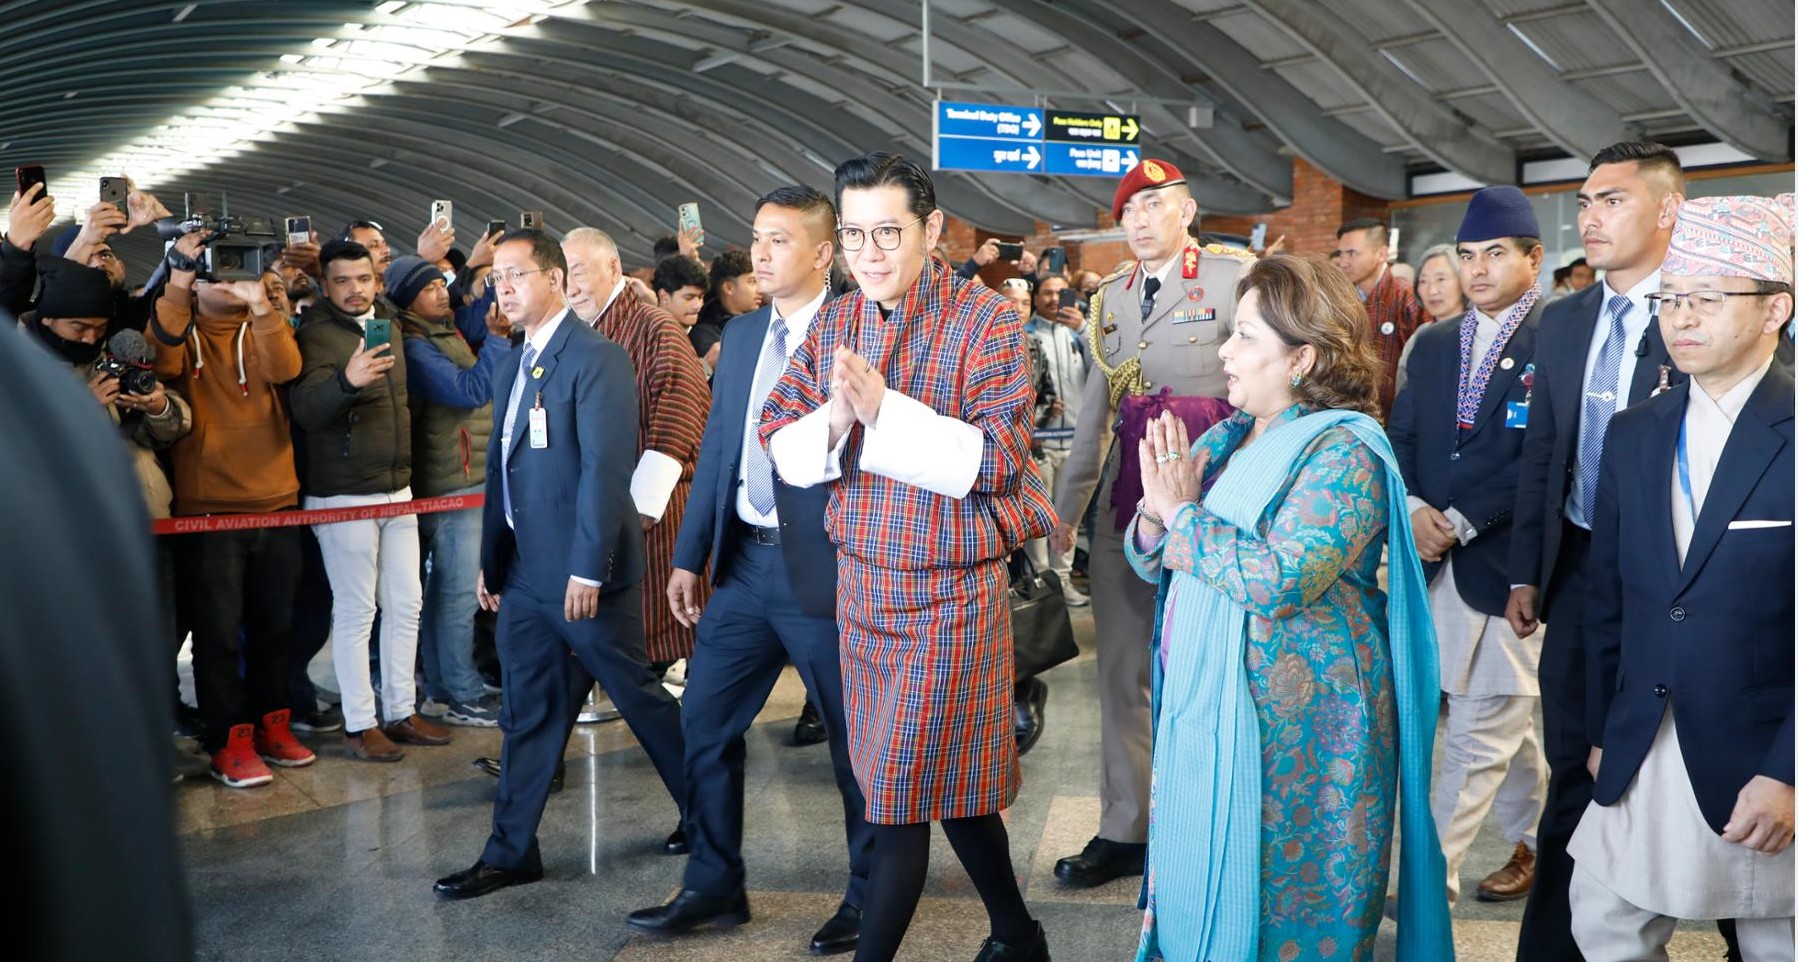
<point x="1148" y="175"/>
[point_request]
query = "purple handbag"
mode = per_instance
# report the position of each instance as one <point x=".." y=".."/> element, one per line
<point x="1135" y="411"/>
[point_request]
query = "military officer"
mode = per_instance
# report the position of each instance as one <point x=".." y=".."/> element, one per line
<point x="1154" y="328"/>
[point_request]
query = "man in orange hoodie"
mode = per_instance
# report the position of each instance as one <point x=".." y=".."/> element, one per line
<point x="229" y="362"/>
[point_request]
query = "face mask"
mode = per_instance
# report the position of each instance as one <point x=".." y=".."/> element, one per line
<point x="75" y="352"/>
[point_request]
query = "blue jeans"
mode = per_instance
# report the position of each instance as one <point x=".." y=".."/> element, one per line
<point x="450" y="553"/>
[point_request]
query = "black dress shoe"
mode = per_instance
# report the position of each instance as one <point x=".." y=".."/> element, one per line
<point x="1036" y="950"/>
<point x="1027" y="713"/>
<point x="690" y="910"/>
<point x="809" y="729"/>
<point x="1101" y="861"/>
<point x="676" y="843"/>
<point x="483" y="879"/>
<point x="491" y="767"/>
<point x="841" y="933"/>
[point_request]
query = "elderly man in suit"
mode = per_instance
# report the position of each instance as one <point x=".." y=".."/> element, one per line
<point x="1689" y="619"/>
<point x="561" y="543"/>
<point x="776" y="575"/>
<point x="1458" y="429"/>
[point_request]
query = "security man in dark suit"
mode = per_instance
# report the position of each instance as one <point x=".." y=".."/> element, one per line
<point x="776" y="573"/>
<point x="1598" y="352"/>
<point x="562" y="544"/>
<point x="1458" y="429"/>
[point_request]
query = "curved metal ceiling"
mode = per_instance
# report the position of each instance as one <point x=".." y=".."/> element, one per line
<point x="613" y="113"/>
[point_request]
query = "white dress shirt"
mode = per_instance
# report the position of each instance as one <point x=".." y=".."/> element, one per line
<point x="797" y="325"/>
<point x="1635" y="328"/>
<point x="1708" y="423"/>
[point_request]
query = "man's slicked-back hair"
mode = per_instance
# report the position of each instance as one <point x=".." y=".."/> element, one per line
<point x="342" y="250"/>
<point x="1376" y="230"/>
<point x="666" y="246"/>
<point x="808" y="201"/>
<point x="592" y="237"/>
<point x="881" y="169"/>
<point x="1649" y="157"/>
<point x="545" y="253"/>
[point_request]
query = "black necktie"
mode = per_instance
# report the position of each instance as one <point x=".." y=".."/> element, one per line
<point x="1149" y="287"/>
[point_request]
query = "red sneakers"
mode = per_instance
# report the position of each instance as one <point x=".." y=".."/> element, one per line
<point x="236" y="764"/>
<point x="276" y="744"/>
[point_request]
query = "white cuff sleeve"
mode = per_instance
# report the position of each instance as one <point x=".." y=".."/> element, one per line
<point x="586" y="581"/>
<point x="914" y="444"/>
<point x="653" y="483"/>
<point x="1464" y="530"/>
<point x="801" y="451"/>
<point x="1413" y="502"/>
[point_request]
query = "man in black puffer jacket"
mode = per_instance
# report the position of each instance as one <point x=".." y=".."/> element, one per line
<point x="350" y="399"/>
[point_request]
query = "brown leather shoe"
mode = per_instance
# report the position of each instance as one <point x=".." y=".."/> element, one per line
<point x="416" y="731"/>
<point x="1512" y="882"/>
<point x="372" y="746"/>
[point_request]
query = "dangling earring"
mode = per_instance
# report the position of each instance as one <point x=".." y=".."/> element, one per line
<point x="1297" y="380"/>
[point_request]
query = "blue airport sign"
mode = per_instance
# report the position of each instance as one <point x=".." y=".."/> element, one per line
<point x="1001" y="138"/>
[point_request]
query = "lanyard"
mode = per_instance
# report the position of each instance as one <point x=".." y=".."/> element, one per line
<point x="1685" y="472"/>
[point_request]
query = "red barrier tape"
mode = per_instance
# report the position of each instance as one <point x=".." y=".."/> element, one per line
<point x="287" y="519"/>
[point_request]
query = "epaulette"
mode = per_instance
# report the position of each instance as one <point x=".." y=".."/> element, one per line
<point x="1120" y="272"/>
<point x="1229" y="251"/>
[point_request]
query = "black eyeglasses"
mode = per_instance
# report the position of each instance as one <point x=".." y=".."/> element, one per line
<point x="1705" y="303"/>
<point x="885" y="238"/>
<point x="510" y="278"/>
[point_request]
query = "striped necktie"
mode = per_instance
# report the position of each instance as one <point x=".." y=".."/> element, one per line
<point x="524" y="373"/>
<point x="760" y="479"/>
<point x="1602" y="400"/>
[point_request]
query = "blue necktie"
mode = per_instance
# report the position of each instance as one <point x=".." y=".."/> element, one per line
<point x="505" y="477"/>
<point x="768" y="370"/>
<point x="1601" y="402"/>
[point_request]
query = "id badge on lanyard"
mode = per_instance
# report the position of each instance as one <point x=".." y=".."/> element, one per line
<point x="539" y="424"/>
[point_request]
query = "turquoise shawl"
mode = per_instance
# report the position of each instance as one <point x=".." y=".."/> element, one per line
<point x="1217" y="843"/>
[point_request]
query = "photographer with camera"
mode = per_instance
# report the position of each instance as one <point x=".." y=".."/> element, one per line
<point x="70" y="323"/>
<point x="226" y="346"/>
<point x="351" y="402"/>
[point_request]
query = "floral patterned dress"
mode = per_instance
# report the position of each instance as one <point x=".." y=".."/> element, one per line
<point x="1320" y="677"/>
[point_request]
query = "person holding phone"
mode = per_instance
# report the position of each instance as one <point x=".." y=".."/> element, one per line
<point x="350" y="400"/>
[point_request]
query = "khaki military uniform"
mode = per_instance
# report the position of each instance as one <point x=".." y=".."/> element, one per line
<point x="1176" y="346"/>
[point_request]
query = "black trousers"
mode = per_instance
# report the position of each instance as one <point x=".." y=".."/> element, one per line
<point x="544" y="690"/>
<point x="239" y="587"/>
<point x="751" y="627"/>
<point x="311" y="625"/>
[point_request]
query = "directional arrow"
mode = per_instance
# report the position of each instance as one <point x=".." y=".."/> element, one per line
<point x="1032" y="158"/>
<point x="1130" y="128"/>
<point x="1129" y="159"/>
<point x="1032" y="125"/>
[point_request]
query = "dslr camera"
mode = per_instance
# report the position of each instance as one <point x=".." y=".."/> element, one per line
<point x="238" y="249"/>
<point x="127" y="357"/>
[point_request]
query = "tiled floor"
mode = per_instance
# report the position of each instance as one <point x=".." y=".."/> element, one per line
<point x="336" y="861"/>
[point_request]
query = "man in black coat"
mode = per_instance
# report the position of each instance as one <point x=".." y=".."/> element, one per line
<point x="1458" y="430"/>
<point x="775" y="571"/>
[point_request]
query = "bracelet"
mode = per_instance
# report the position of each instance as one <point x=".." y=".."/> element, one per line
<point x="1142" y="511"/>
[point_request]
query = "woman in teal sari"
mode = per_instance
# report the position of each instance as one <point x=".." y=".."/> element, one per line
<point x="1295" y="702"/>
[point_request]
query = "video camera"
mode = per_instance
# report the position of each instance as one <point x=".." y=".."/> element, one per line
<point x="238" y="248"/>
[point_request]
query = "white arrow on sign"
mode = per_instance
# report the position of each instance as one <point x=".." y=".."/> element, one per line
<point x="1032" y="126"/>
<point x="1129" y="159"/>
<point x="1031" y="157"/>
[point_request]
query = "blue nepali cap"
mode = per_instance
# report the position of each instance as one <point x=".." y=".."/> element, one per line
<point x="1498" y="212"/>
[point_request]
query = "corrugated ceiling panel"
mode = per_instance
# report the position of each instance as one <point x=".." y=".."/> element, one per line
<point x="1438" y="65"/>
<point x="1257" y="36"/>
<point x="1576" y="41"/>
<point x="1321" y="83"/>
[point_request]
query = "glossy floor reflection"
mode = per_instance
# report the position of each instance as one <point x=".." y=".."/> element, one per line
<point x="336" y="861"/>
